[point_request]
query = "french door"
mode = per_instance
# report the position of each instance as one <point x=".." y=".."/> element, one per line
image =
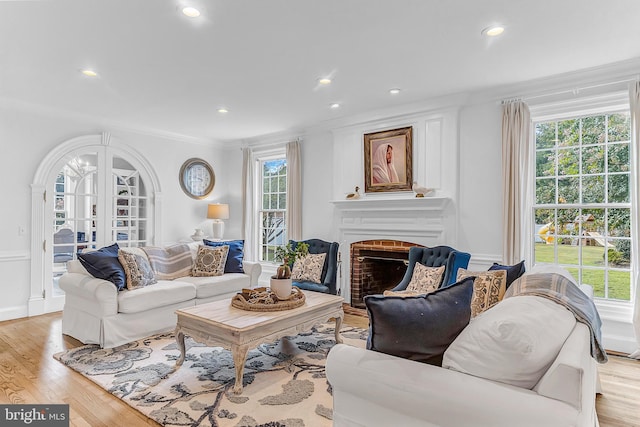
<point x="95" y="198"/>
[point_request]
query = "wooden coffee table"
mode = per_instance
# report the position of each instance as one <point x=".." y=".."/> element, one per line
<point x="219" y="324"/>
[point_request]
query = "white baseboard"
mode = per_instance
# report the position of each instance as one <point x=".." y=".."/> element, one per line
<point x="11" y="313"/>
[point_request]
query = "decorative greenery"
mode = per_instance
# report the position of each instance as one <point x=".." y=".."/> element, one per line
<point x="288" y="255"/>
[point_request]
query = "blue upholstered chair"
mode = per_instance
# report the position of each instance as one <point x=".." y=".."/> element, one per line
<point x="435" y="257"/>
<point x="329" y="270"/>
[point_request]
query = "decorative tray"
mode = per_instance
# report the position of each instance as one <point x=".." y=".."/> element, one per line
<point x="262" y="299"/>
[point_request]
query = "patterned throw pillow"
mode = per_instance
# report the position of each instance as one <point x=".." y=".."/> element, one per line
<point x="308" y="268"/>
<point x="210" y="261"/>
<point x="171" y="262"/>
<point x="403" y="294"/>
<point x="425" y="279"/>
<point x="488" y="288"/>
<point x="137" y="270"/>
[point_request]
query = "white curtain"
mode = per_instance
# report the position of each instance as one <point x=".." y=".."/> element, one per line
<point x="634" y="102"/>
<point x="248" y="223"/>
<point x="516" y="123"/>
<point x="294" y="192"/>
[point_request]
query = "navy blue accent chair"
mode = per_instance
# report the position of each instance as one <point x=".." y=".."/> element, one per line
<point x="329" y="270"/>
<point x="435" y="257"/>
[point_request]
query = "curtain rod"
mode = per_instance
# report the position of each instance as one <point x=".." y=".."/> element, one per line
<point x="574" y="91"/>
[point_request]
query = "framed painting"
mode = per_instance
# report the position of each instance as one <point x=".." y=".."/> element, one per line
<point x="387" y="160"/>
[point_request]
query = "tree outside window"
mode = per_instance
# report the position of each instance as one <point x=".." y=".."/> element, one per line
<point x="582" y="206"/>
<point x="272" y="214"/>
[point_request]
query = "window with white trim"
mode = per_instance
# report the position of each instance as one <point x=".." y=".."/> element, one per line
<point x="582" y="205"/>
<point x="272" y="204"/>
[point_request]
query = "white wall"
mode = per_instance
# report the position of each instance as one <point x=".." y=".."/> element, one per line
<point x="331" y="166"/>
<point x="27" y="136"/>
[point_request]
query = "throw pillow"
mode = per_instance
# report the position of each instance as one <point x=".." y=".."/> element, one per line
<point x="488" y="288"/>
<point x="210" y="261"/>
<point x="235" y="257"/>
<point x="308" y="268"/>
<point x="104" y="264"/>
<point x="513" y="271"/>
<point x="137" y="270"/>
<point x="171" y="262"/>
<point x="419" y="328"/>
<point x="425" y="279"/>
<point x="514" y="343"/>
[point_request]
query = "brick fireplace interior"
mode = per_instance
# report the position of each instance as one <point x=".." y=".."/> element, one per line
<point x="376" y="265"/>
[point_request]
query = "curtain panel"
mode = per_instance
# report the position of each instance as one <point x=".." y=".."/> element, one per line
<point x="516" y="135"/>
<point x="294" y="192"/>
<point x="634" y="105"/>
<point x="248" y="223"/>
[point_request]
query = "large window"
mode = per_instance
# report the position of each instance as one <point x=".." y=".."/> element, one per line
<point x="582" y="206"/>
<point x="272" y="205"/>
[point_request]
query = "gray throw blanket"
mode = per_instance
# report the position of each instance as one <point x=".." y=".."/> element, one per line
<point x="563" y="291"/>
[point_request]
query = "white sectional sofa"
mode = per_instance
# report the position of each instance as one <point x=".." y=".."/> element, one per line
<point x="376" y="389"/>
<point x="95" y="312"/>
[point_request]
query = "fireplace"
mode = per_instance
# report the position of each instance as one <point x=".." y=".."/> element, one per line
<point x="371" y="228"/>
<point x="376" y="265"/>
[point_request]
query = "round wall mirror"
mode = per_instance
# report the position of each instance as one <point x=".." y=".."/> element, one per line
<point x="197" y="178"/>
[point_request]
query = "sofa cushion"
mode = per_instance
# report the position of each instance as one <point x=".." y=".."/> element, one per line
<point x="308" y="268"/>
<point x="425" y="279"/>
<point x="235" y="257"/>
<point x="103" y="264"/>
<point x="163" y="293"/>
<point x="514" y="343"/>
<point x="488" y="288"/>
<point x="171" y="262"/>
<point x="210" y="261"/>
<point x="419" y="328"/>
<point x="137" y="270"/>
<point x="513" y="271"/>
<point x="207" y="287"/>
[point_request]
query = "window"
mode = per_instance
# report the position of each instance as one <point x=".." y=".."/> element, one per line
<point x="272" y="200"/>
<point x="582" y="206"/>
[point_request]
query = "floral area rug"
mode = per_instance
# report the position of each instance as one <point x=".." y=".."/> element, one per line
<point x="284" y="382"/>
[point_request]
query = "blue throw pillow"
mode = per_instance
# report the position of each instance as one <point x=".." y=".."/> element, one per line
<point x="419" y="328"/>
<point x="513" y="271"/>
<point x="104" y="264"/>
<point x="236" y="254"/>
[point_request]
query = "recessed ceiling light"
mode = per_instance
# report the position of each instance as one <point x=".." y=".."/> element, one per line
<point x="191" y="12"/>
<point x="334" y="105"/>
<point x="394" y="91"/>
<point x="89" y="73"/>
<point x="223" y="110"/>
<point x="324" y="81"/>
<point x="494" y="30"/>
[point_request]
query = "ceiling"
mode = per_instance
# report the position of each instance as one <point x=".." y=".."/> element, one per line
<point x="261" y="59"/>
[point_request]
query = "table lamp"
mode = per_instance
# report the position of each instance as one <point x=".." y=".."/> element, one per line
<point x="217" y="212"/>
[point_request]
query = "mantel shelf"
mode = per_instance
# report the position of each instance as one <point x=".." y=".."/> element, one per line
<point x="435" y="203"/>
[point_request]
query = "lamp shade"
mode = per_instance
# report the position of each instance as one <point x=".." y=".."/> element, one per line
<point x="218" y="211"/>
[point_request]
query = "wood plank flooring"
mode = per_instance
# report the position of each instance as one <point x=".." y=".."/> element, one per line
<point x="29" y="374"/>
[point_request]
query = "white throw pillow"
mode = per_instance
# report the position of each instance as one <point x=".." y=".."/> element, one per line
<point x="514" y="342"/>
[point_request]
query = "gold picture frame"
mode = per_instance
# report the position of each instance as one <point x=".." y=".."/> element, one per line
<point x="388" y="165"/>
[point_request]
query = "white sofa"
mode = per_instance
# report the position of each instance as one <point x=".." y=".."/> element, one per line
<point x="375" y="389"/>
<point x="95" y="312"/>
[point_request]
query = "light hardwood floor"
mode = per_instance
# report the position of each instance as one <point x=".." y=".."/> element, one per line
<point x="29" y="374"/>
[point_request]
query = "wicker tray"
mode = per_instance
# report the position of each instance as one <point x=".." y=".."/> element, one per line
<point x="262" y="299"/>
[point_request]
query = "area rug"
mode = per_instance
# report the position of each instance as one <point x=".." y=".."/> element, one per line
<point x="284" y="382"/>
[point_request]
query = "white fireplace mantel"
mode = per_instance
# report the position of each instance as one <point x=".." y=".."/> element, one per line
<point x="393" y="204"/>
<point x="427" y="221"/>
